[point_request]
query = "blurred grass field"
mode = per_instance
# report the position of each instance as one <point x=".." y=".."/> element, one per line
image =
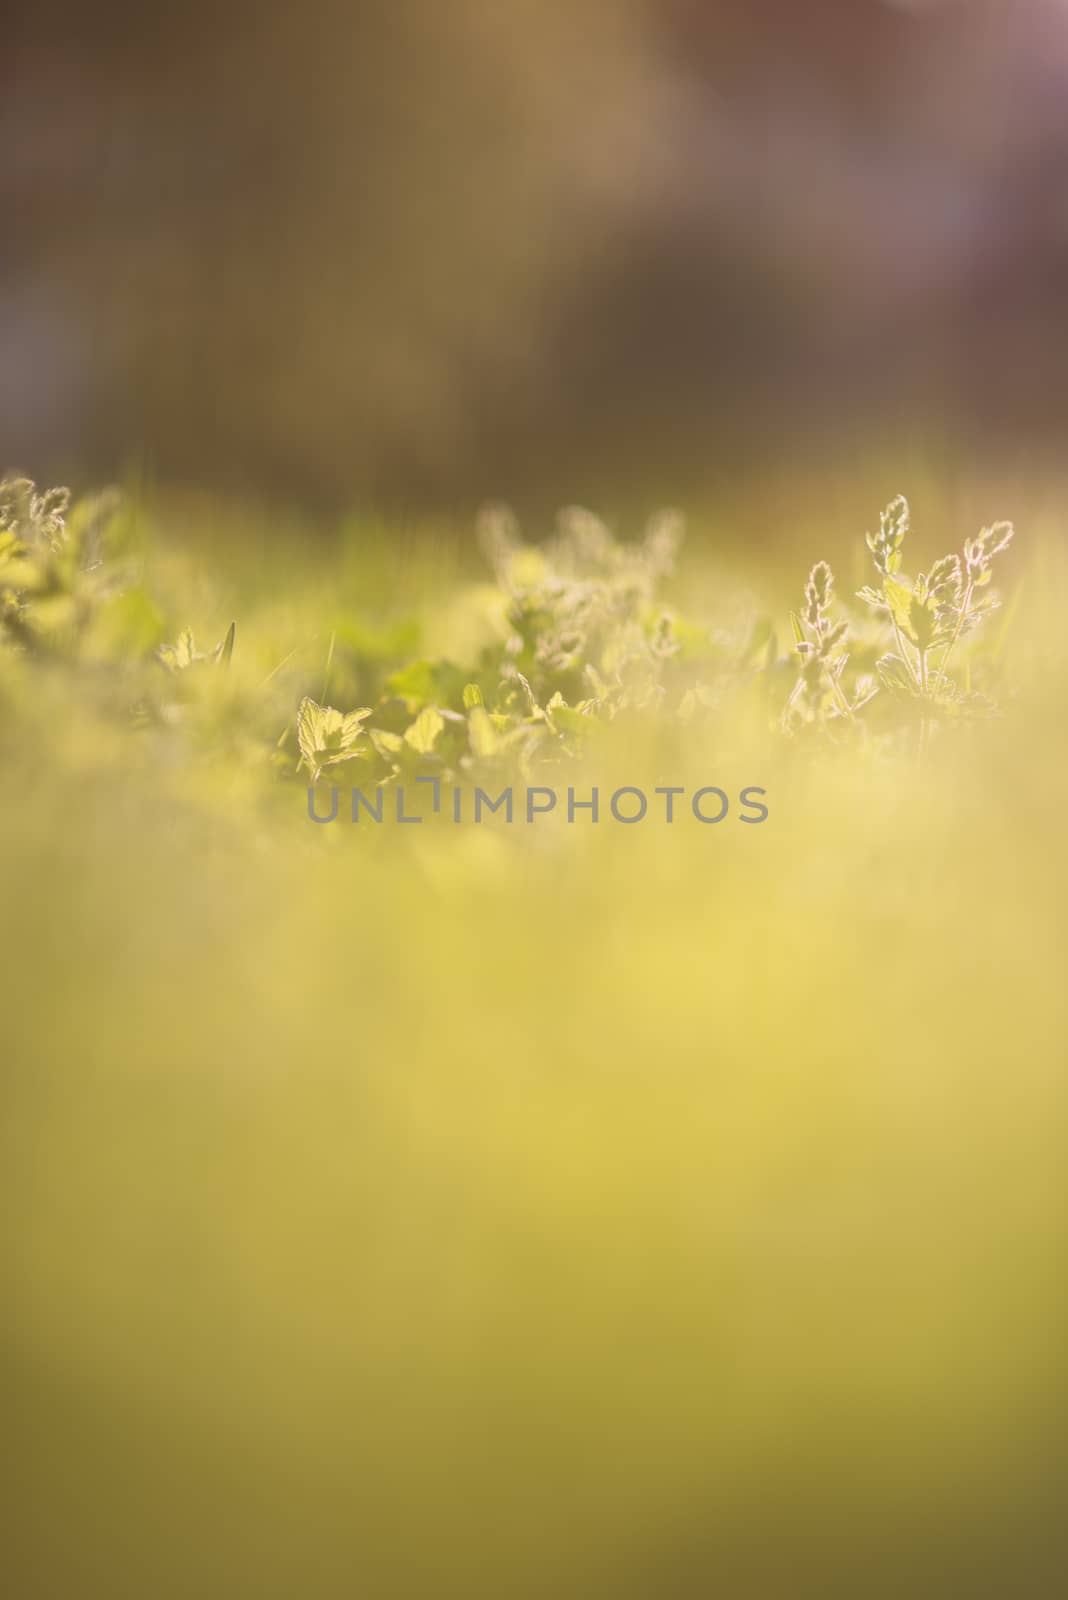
<point x="501" y="1211"/>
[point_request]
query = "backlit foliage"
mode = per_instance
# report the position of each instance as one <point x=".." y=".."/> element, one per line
<point x="584" y="641"/>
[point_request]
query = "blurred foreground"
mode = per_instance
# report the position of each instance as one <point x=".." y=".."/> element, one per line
<point x="635" y="1211"/>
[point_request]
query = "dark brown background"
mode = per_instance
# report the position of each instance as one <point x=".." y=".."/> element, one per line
<point x="430" y="250"/>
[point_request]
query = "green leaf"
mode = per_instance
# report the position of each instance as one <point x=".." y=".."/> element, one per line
<point x="387" y="744"/>
<point x="924" y="625"/>
<point x="894" y="674"/>
<point x="183" y="654"/>
<point x="425" y="731"/>
<point x="309" y="729"/>
<point x="225" y="650"/>
<point x="327" y="736"/>
<point x="482" y="733"/>
<point x="180" y="655"/>
<point x="899" y="599"/>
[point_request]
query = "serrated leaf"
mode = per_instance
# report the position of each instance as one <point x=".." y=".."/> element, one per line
<point x="309" y="726"/>
<point x="899" y="599"/>
<point x="183" y="654"/>
<point x="352" y="726"/>
<point x="327" y="736"/>
<point x="894" y="674"/>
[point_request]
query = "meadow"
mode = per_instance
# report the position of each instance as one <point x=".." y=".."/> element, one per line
<point x="534" y="1207"/>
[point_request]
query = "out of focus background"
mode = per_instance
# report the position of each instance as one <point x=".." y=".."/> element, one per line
<point x="409" y="252"/>
<point x="652" y="1213"/>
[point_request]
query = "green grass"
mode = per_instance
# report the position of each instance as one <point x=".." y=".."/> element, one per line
<point x="528" y="1209"/>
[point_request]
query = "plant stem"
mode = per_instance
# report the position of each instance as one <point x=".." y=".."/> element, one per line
<point x="842" y="698"/>
<point x="965" y="606"/>
<point x="900" y="637"/>
<point x="840" y="693"/>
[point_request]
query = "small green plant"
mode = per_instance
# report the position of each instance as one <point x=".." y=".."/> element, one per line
<point x="821" y="647"/>
<point x="327" y="737"/>
<point x="582" y="643"/>
<point x="926" y="617"/>
<point x="183" y="654"/>
<point x="65" y="588"/>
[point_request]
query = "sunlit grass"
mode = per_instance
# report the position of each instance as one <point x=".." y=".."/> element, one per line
<point x="548" y="1209"/>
